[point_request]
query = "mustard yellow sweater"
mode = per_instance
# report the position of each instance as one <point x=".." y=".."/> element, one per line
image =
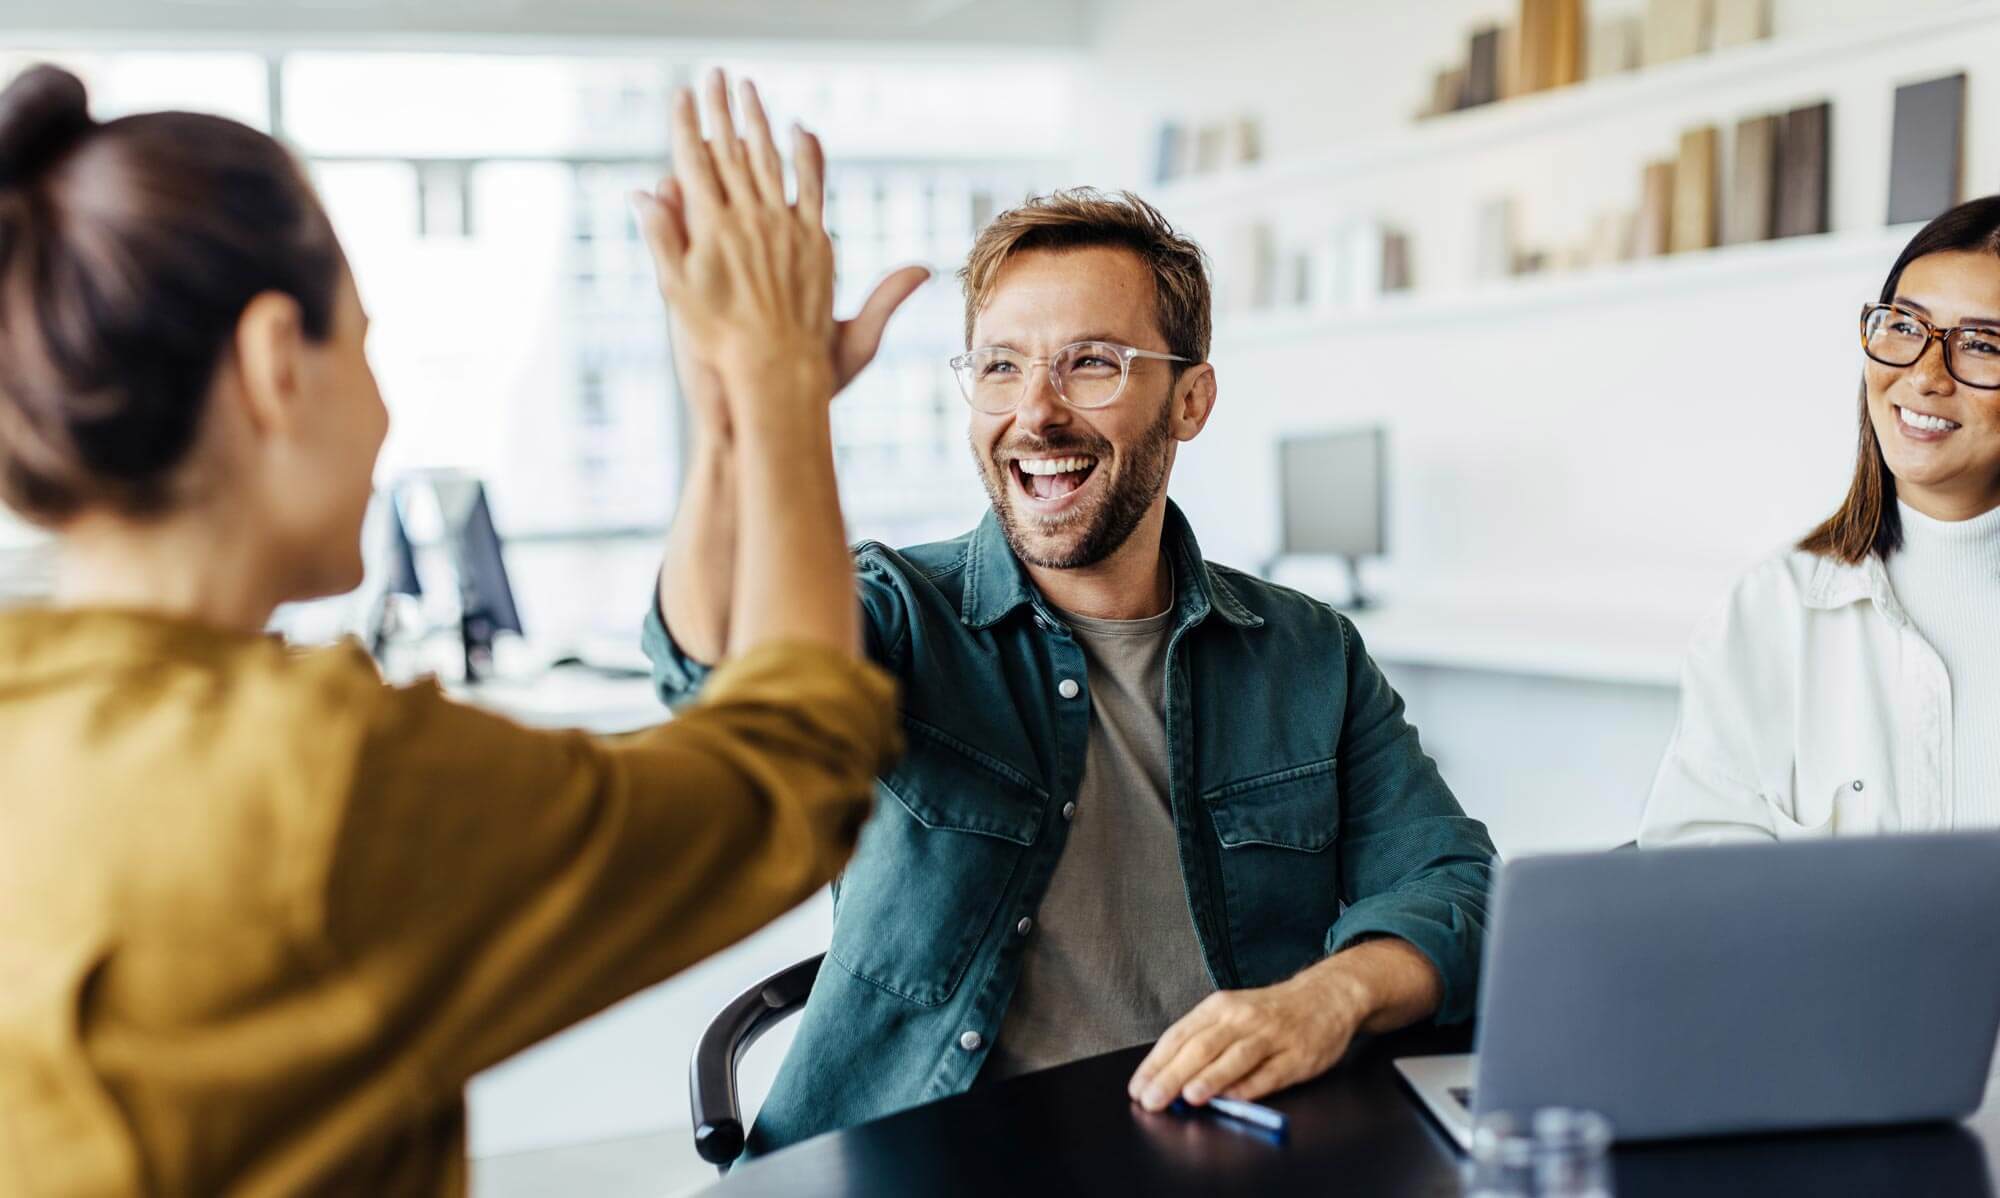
<point x="262" y="916"/>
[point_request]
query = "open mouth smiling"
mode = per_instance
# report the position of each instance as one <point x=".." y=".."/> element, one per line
<point x="1050" y="482"/>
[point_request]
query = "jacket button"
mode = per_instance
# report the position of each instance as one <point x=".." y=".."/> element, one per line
<point x="1069" y="810"/>
<point x="970" y="1041"/>
<point x="1068" y="688"/>
<point x="1024" y="926"/>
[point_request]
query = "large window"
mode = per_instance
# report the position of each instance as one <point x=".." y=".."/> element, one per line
<point x="518" y="332"/>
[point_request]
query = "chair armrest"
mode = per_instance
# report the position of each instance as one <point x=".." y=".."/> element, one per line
<point x="716" y="1107"/>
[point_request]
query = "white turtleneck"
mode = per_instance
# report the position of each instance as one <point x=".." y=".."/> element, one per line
<point x="1947" y="577"/>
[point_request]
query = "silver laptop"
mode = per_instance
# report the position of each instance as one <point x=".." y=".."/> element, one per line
<point x="1709" y="991"/>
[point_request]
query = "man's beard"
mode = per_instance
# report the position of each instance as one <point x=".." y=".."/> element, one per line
<point x="1100" y="530"/>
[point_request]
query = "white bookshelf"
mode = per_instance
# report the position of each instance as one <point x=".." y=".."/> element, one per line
<point x="1436" y="142"/>
<point x="1528" y="297"/>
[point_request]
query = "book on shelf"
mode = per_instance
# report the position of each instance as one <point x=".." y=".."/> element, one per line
<point x="1358" y="263"/>
<point x="1264" y="280"/>
<point x="1693" y="226"/>
<point x="1803" y="148"/>
<point x="1740" y="22"/>
<point x="1246" y="141"/>
<point x="1614" y="46"/>
<point x="1451" y="90"/>
<point x="1750" y="214"/>
<point x="1674" y="29"/>
<point x="1184" y="153"/>
<point x="1551" y="43"/>
<point x="1612" y="237"/>
<point x="1482" y="68"/>
<point x="1398" y="274"/>
<point x="1362" y="244"/>
<point x="1656" y="211"/>
<point x="1510" y="61"/>
<point x="1211" y="145"/>
<point x="1329" y="270"/>
<point x="1927" y="155"/>
<point x="1496" y="242"/>
<point x="1299" y="280"/>
<point x="1168" y="152"/>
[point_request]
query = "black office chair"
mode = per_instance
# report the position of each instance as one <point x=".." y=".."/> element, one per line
<point x="712" y="1097"/>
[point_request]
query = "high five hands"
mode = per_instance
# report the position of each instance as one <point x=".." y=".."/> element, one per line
<point x="736" y="183"/>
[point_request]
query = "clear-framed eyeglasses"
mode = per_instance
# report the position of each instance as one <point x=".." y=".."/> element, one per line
<point x="1896" y="336"/>
<point x="1084" y="374"/>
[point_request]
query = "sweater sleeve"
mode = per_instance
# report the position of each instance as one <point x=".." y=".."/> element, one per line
<point x="492" y="884"/>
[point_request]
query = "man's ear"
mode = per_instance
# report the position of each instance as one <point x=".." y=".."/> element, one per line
<point x="270" y="360"/>
<point x="1194" y="400"/>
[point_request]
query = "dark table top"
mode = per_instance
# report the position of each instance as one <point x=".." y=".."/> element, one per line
<point x="1354" y="1132"/>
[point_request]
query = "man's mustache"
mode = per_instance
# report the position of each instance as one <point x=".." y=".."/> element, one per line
<point x="1042" y="447"/>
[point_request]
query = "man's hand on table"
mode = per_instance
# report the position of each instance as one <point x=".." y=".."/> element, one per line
<point x="1244" y="1044"/>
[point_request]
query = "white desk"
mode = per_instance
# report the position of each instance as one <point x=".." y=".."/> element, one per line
<point x="1585" y="645"/>
<point x="569" y="697"/>
<point x="1547" y="722"/>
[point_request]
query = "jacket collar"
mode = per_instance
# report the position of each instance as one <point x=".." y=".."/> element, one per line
<point x="1837" y="584"/>
<point x="996" y="584"/>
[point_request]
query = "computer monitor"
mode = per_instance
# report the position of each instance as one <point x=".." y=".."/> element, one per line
<point x="399" y="558"/>
<point x="485" y="597"/>
<point x="1333" y="496"/>
<point x="390" y="564"/>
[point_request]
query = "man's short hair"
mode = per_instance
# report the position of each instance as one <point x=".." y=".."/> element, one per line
<point x="1081" y="218"/>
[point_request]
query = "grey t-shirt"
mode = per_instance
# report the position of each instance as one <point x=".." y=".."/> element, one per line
<point x="1112" y="958"/>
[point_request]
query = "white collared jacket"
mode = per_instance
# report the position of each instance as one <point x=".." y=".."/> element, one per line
<point x="1810" y="706"/>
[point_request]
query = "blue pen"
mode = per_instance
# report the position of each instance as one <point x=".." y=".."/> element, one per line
<point x="1243" y="1112"/>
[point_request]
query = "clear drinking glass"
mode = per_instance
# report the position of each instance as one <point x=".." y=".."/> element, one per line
<point x="1503" y="1159"/>
<point x="1560" y="1153"/>
<point x="1571" y="1152"/>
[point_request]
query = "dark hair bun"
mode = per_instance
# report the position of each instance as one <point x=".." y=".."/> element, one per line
<point x="43" y="112"/>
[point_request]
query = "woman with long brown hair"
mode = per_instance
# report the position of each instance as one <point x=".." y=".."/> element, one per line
<point x="261" y="915"/>
<point x="1852" y="685"/>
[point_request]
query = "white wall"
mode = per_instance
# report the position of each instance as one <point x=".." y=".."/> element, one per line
<point x="1617" y="445"/>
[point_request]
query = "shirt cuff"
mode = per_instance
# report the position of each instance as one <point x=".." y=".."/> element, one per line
<point x="1434" y="927"/>
<point x="677" y="678"/>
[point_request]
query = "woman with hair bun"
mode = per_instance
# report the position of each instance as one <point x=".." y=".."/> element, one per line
<point x="261" y="915"/>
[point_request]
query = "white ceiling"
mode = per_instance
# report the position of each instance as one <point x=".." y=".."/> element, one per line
<point x="1054" y="24"/>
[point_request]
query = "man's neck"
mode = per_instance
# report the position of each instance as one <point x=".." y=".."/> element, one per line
<point x="1134" y="582"/>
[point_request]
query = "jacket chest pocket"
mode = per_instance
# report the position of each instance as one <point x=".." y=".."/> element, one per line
<point x="1840" y="803"/>
<point x="951" y="827"/>
<point x="1280" y="867"/>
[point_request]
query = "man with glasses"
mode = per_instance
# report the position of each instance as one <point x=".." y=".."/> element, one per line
<point x="1146" y="797"/>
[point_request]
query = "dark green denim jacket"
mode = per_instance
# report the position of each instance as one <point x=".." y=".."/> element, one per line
<point x="1308" y="815"/>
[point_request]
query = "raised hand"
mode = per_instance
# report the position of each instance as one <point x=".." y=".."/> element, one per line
<point x="749" y="275"/>
<point x="856" y="339"/>
<point x="664" y="218"/>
